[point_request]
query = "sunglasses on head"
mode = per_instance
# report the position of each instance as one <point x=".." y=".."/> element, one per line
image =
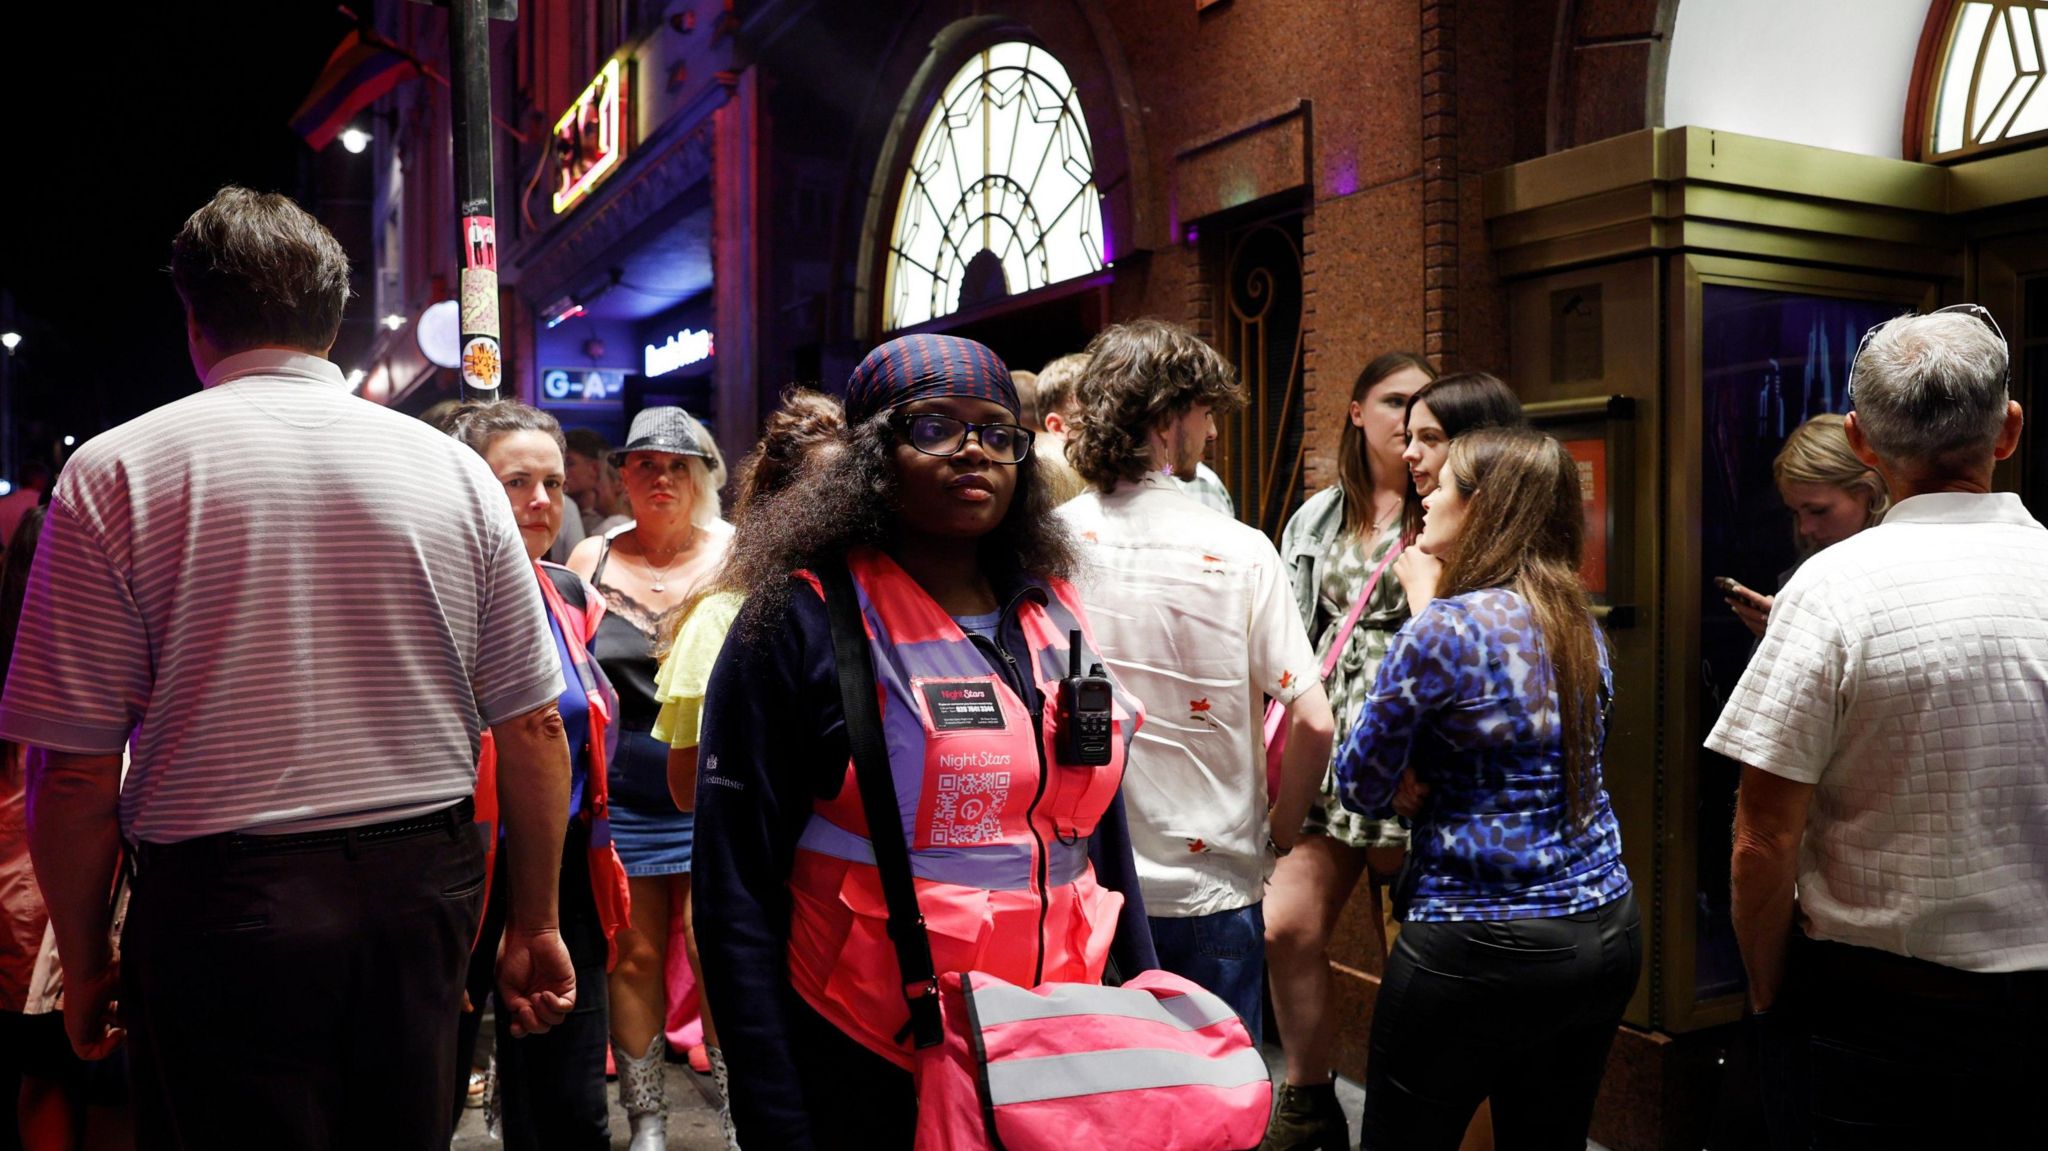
<point x="1978" y="311"/>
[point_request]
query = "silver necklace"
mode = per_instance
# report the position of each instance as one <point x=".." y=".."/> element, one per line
<point x="659" y="576"/>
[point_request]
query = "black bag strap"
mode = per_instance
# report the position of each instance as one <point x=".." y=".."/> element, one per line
<point x="878" y="798"/>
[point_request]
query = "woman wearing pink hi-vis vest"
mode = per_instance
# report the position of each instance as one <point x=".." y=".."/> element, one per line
<point x="1021" y="857"/>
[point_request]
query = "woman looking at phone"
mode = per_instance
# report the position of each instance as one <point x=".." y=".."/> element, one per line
<point x="1832" y="495"/>
<point x="1522" y="943"/>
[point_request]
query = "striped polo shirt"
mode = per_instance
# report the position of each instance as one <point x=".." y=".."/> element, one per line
<point x="301" y="607"/>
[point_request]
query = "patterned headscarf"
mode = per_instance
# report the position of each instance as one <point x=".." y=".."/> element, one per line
<point x="922" y="366"/>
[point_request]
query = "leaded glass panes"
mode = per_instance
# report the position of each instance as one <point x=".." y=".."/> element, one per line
<point x="1989" y="91"/>
<point x="1000" y="193"/>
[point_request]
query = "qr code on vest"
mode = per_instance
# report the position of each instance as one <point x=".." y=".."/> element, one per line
<point x="968" y="809"/>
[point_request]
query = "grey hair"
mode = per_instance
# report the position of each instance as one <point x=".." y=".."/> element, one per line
<point x="1931" y="387"/>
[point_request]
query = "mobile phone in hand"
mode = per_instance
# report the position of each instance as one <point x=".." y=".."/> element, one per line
<point x="1729" y="585"/>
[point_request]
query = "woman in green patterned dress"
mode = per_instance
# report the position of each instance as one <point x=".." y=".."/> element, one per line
<point x="1331" y="546"/>
<point x="1401" y="418"/>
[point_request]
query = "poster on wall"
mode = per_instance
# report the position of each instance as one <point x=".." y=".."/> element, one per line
<point x="1596" y="432"/>
<point x="1591" y="456"/>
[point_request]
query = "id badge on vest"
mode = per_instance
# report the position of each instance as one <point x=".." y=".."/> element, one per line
<point x="980" y="766"/>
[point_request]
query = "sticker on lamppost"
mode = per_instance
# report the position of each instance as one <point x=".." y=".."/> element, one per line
<point x="480" y="243"/>
<point x="481" y="366"/>
<point x="479" y="302"/>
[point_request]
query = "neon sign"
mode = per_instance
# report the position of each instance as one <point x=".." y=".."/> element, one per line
<point x="590" y="138"/>
<point x="581" y="385"/>
<point x="689" y="346"/>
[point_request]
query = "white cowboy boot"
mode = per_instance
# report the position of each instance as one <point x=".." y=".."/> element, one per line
<point x="641" y="1094"/>
<point x="721" y="1080"/>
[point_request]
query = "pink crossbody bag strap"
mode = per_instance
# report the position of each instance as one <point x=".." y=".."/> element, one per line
<point x="1276" y="715"/>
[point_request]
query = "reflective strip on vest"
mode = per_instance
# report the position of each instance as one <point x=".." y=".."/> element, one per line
<point x="998" y="867"/>
<point x="1128" y="1069"/>
<point x="998" y="1003"/>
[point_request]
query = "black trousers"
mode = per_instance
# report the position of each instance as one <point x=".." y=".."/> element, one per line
<point x="301" y="997"/>
<point x="856" y="1100"/>
<point x="1521" y="1011"/>
<point x="1869" y="1050"/>
<point x="551" y="1085"/>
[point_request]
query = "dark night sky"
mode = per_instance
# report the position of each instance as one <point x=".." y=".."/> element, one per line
<point x="126" y="120"/>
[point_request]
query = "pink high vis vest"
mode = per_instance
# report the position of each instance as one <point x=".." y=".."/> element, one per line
<point x="998" y="846"/>
<point x="1158" y="1062"/>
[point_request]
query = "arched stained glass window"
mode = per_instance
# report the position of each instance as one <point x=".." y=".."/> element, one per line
<point x="1000" y="195"/>
<point x="1988" y="91"/>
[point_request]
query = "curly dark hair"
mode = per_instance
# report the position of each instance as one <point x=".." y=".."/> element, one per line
<point x="803" y="420"/>
<point x="1140" y="375"/>
<point x="846" y="498"/>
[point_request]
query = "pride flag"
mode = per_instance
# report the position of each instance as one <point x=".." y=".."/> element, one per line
<point x="359" y="71"/>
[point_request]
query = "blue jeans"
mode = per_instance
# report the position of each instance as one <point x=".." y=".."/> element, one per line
<point x="1225" y="952"/>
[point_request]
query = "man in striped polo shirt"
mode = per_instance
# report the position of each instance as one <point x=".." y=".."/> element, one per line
<point x="298" y="611"/>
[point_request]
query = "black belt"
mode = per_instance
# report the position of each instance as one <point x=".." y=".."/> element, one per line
<point x="1845" y="968"/>
<point x="449" y="821"/>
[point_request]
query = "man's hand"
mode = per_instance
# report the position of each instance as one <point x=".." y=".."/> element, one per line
<point x="74" y="838"/>
<point x="1418" y="572"/>
<point x="90" y="1010"/>
<point x="1410" y="794"/>
<point x="1770" y="820"/>
<point x="1310" y="729"/>
<point x="536" y="981"/>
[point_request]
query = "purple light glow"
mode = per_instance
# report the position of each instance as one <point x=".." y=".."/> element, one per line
<point x="1341" y="178"/>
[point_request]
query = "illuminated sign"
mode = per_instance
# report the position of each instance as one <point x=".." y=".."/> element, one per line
<point x="680" y="350"/>
<point x="581" y="385"/>
<point x="590" y="138"/>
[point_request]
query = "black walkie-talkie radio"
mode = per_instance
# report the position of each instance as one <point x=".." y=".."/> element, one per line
<point x="1086" y="712"/>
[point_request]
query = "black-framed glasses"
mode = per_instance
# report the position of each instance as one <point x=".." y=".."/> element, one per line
<point x="1977" y="311"/>
<point x="938" y="434"/>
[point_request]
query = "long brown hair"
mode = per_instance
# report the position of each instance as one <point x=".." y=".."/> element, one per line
<point x="1524" y="530"/>
<point x="1354" y="473"/>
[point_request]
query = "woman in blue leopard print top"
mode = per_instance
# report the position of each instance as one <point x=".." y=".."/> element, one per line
<point x="1485" y="726"/>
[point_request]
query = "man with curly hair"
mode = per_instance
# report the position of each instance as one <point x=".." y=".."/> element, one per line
<point x="1194" y="612"/>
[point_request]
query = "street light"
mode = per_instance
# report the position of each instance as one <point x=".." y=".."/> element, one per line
<point x="11" y="340"/>
<point x="355" y="140"/>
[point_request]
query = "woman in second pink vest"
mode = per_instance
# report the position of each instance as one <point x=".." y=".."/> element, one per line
<point x="1023" y="864"/>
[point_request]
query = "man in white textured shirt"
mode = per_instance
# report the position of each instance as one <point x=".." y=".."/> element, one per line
<point x="1195" y="614"/>
<point x="1891" y="836"/>
<point x="303" y="657"/>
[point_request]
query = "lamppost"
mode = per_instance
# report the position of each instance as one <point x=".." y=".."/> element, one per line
<point x="10" y="341"/>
